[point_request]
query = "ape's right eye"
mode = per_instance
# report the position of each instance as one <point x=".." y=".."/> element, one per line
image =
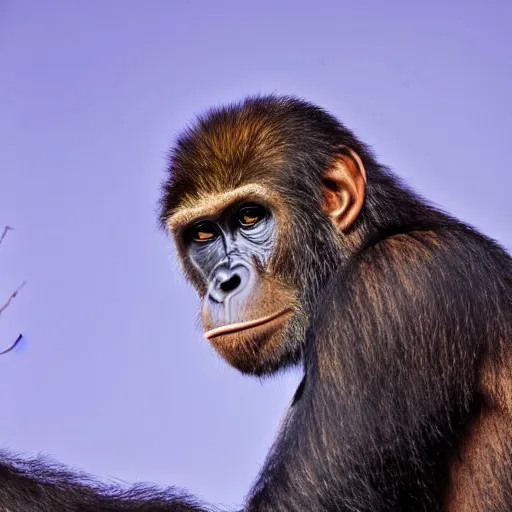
<point x="203" y="232"/>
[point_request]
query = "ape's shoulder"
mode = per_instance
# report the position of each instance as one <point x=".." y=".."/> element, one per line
<point x="452" y="254"/>
<point x="450" y="273"/>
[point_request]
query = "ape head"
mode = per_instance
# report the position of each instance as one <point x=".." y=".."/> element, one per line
<point x="263" y="199"/>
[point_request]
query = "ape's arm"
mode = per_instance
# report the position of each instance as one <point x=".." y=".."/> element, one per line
<point x="37" y="486"/>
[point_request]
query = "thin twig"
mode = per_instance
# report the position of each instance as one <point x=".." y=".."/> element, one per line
<point x="12" y="297"/>
<point x="13" y="346"/>
<point x="4" y="233"/>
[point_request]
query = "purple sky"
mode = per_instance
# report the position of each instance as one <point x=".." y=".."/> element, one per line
<point x="116" y="377"/>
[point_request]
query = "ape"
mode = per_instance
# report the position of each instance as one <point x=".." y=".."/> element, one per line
<point x="306" y="250"/>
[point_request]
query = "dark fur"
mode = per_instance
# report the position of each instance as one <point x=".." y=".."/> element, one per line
<point x="405" y="311"/>
<point x="39" y="485"/>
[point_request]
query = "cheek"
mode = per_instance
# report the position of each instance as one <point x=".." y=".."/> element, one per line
<point x="280" y="262"/>
<point x="259" y="242"/>
<point x="264" y="252"/>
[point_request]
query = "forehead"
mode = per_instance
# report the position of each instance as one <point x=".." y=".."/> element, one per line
<point x="224" y="152"/>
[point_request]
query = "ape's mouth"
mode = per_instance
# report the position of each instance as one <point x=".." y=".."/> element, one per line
<point x="242" y="326"/>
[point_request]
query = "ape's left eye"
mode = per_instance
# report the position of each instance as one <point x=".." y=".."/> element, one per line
<point x="249" y="216"/>
<point x="203" y="232"/>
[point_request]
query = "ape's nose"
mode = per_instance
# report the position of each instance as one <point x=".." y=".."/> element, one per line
<point x="227" y="282"/>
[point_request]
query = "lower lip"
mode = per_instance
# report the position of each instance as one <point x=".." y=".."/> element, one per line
<point x="223" y="331"/>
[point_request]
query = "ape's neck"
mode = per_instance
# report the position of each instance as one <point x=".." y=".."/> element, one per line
<point x="392" y="208"/>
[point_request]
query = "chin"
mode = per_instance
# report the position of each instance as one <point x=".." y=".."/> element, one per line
<point x="255" y="350"/>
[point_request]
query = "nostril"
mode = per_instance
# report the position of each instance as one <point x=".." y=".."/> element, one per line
<point x="231" y="284"/>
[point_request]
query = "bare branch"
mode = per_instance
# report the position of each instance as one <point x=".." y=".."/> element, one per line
<point x="10" y="298"/>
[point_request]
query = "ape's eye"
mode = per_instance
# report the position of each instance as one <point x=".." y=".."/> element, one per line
<point x="249" y="216"/>
<point x="203" y="232"/>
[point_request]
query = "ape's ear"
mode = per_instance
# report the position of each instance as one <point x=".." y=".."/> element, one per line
<point x="344" y="186"/>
